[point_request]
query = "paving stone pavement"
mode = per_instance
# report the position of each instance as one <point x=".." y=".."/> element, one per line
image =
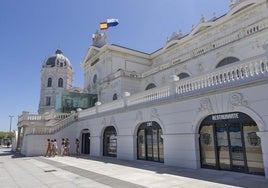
<point x="17" y="171"/>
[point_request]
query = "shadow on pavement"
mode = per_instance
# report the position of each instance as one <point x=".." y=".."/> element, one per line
<point x="216" y="176"/>
<point x="5" y="151"/>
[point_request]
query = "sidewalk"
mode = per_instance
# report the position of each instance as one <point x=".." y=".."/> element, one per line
<point x="99" y="172"/>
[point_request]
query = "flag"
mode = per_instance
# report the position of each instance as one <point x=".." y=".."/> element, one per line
<point x="112" y="22"/>
<point x="109" y="23"/>
<point x="103" y="26"/>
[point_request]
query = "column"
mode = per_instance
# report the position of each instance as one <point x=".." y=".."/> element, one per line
<point x="264" y="145"/>
<point x="19" y="139"/>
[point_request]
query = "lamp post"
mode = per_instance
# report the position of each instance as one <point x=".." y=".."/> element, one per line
<point x="10" y="123"/>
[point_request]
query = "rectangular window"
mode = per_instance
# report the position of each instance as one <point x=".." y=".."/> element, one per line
<point x="48" y="101"/>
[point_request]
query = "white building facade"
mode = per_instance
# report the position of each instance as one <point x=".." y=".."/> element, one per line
<point x="56" y="76"/>
<point x="199" y="102"/>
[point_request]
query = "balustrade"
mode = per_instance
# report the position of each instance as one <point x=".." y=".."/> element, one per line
<point x="238" y="73"/>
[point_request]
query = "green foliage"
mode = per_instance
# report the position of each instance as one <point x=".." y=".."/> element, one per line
<point x="5" y="135"/>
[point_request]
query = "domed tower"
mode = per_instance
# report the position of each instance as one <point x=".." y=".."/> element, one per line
<point x="56" y="76"/>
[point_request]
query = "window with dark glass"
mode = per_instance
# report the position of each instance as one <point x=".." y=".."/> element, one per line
<point x="150" y="86"/>
<point x="232" y="144"/>
<point x="48" y="101"/>
<point x="183" y="75"/>
<point x="150" y="145"/>
<point x="95" y="79"/>
<point x="49" y="82"/>
<point x="114" y="97"/>
<point x="227" y="61"/>
<point x="60" y="82"/>
<point x="110" y="142"/>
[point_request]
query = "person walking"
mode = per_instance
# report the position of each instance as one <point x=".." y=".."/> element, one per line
<point x="67" y="146"/>
<point x="49" y="148"/>
<point x="62" y="147"/>
<point x="54" y="148"/>
<point x="77" y="142"/>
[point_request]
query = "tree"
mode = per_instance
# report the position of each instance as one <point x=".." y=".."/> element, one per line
<point x="5" y="135"/>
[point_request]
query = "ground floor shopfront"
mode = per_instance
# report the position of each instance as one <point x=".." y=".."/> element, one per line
<point x="227" y="141"/>
<point x="230" y="142"/>
<point x="224" y="131"/>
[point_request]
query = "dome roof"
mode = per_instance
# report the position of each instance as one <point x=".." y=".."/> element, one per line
<point x="58" y="60"/>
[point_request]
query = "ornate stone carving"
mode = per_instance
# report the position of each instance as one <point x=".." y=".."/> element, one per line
<point x="237" y="99"/>
<point x="205" y="104"/>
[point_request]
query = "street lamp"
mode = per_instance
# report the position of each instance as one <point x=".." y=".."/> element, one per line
<point x="10" y="123"/>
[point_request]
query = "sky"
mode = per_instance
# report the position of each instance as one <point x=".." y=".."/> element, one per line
<point x="32" y="30"/>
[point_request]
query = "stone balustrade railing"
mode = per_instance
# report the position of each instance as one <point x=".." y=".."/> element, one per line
<point x="120" y="73"/>
<point x="149" y="95"/>
<point x="239" y="73"/>
<point x="44" y="117"/>
<point x="41" y="130"/>
<point x="110" y="106"/>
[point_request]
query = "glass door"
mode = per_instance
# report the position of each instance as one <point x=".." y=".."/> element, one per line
<point x="223" y="146"/>
<point x="237" y="151"/>
<point x="85" y="143"/>
<point x="149" y="144"/>
<point x="230" y="147"/>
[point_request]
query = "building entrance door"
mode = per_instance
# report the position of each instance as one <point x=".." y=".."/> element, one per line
<point x="149" y="142"/>
<point x="230" y="142"/>
<point x="85" y="143"/>
<point x="230" y="146"/>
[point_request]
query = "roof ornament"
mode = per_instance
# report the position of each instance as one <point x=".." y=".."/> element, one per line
<point x="176" y="36"/>
<point x="99" y="39"/>
<point x="232" y="4"/>
<point x="203" y="18"/>
<point x="180" y="34"/>
<point x="214" y="16"/>
<point x="58" y="51"/>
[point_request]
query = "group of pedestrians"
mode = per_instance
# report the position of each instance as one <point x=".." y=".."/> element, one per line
<point x="52" y="147"/>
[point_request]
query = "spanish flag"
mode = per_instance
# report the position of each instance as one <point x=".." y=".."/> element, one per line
<point x="103" y="26"/>
<point x="109" y="23"/>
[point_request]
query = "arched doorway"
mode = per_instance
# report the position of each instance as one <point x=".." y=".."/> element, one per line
<point x="110" y="142"/>
<point x="229" y="142"/>
<point x="149" y="142"/>
<point x="85" y="149"/>
<point x="150" y="86"/>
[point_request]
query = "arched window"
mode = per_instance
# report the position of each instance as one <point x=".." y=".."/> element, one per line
<point x="183" y="75"/>
<point x="60" y="82"/>
<point x="230" y="142"/>
<point x="95" y="79"/>
<point x="150" y="86"/>
<point x="150" y="142"/>
<point x="110" y="142"/>
<point x="114" y="97"/>
<point x="49" y="82"/>
<point x="227" y="61"/>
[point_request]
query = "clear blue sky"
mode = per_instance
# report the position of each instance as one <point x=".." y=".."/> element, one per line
<point x="32" y="30"/>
